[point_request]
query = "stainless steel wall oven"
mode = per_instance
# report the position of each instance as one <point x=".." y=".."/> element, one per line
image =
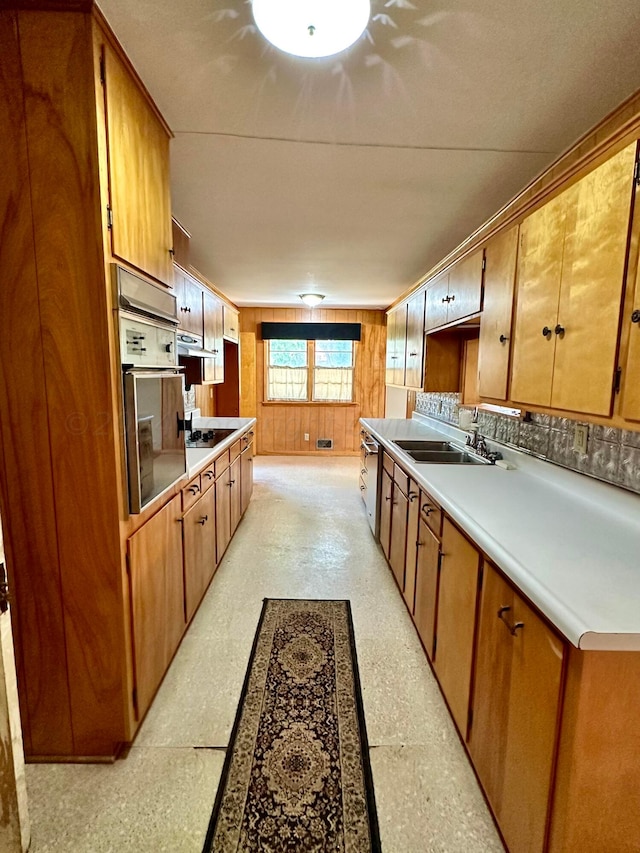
<point x="153" y="387"/>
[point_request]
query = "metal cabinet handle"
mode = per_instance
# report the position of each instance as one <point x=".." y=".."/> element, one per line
<point x="427" y="509"/>
<point x="203" y="520"/>
<point x="413" y="496"/>
<point x="452" y="298"/>
<point x="546" y="332"/>
<point x="445" y="299"/>
<point x="194" y="489"/>
<point x="511" y="628"/>
<point x="412" y="354"/>
<point x="388" y="499"/>
<point x="362" y="488"/>
<point x="208" y="475"/>
<point x="559" y="330"/>
<point x="419" y="544"/>
<point x="635" y="317"/>
<point x="503" y="339"/>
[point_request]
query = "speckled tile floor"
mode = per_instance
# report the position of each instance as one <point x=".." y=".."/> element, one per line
<point x="304" y="535"/>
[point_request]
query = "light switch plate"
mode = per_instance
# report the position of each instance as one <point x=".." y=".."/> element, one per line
<point x="580" y="438"/>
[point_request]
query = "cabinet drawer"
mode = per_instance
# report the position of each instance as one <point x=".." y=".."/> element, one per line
<point x="401" y="479"/>
<point x="191" y="492"/>
<point x="234" y="450"/>
<point x="246" y="439"/>
<point x="431" y="513"/>
<point x="387" y="464"/>
<point x="221" y="463"/>
<point x="207" y="477"/>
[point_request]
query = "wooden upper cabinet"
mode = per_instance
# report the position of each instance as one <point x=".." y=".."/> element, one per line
<point x="495" y="325"/>
<point x="457" y="293"/>
<point x="465" y="287"/>
<point x="414" y="362"/>
<point x="630" y="408"/>
<point x="190" y="306"/>
<point x="213" y="329"/>
<point x="181" y="242"/>
<point x="539" y="273"/>
<point x="231" y="321"/>
<point x="396" y="345"/>
<point x="436" y="307"/>
<point x="518" y="676"/>
<point x="138" y="156"/>
<point x="593" y="266"/>
<point x="569" y="290"/>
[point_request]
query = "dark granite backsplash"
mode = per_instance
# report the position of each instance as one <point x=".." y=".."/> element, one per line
<point x="613" y="454"/>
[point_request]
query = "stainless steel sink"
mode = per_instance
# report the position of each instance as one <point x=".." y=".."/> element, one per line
<point x="449" y="457"/>
<point x="423" y="444"/>
<point x="439" y="452"/>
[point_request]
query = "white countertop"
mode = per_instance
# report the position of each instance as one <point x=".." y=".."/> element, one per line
<point x="570" y="543"/>
<point x="198" y="457"/>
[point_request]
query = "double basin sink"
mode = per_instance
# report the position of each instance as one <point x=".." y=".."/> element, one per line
<point x="446" y="452"/>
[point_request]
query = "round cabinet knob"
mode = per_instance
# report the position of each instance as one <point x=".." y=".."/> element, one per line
<point x="546" y="332"/>
<point x="635" y="317"/>
<point x="559" y="330"/>
<point x="503" y="339"/>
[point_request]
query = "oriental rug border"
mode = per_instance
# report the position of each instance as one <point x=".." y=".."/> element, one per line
<point x="297" y="775"/>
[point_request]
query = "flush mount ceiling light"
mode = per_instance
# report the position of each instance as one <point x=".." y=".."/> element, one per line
<point x="311" y="28"/>
<point x="311" y="299"/>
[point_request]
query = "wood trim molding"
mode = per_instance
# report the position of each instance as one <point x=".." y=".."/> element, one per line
<point x="616" y="130"/>
<point x="47" y="5"/>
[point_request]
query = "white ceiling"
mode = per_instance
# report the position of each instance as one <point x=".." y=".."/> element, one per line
<point x="353" y="175"/>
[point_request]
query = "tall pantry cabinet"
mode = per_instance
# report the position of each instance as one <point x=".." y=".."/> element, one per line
<point x="66" y="193"/>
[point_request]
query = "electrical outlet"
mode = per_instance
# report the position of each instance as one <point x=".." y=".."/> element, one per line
<point x="580" y="438"/>
<point x="306" y="436"/>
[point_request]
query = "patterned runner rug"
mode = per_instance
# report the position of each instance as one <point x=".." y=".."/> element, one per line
<point x="297" y="778"/>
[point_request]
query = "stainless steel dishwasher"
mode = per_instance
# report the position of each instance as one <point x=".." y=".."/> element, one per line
<point x="369" y="479"/>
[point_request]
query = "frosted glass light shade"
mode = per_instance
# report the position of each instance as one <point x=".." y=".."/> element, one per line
<point x="311" y="299"/>
<point x="311" y="28"/>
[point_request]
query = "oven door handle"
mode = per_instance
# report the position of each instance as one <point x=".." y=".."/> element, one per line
<point x="184" y="424"/>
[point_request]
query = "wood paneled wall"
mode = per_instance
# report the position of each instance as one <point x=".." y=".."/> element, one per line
<point x="281" y="427"/>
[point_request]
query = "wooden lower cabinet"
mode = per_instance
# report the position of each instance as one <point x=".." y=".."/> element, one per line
<point x="246" y="477"/>
<point x="398" y="540"/>
<point x="157" y="598"/>
<point x="457" y="592"/>
<point x="234" y="496"/>
<point x="223" y="511"/>
<point x="512" y="740"/>
<point x="426" y="591"/>
<point x="199" y="531"/>
<point x="386" y="489"/>
<point x="411" y="559"/>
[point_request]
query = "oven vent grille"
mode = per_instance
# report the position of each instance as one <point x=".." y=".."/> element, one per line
<point x="324" y="444"/>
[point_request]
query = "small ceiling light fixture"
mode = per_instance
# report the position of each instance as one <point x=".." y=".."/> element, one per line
<point x="311" y="28"/>
<point x="311" y="299"/>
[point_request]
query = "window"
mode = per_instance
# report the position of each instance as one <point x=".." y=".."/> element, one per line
<point x="305" y="371"/>
<point x="333" y="371"/>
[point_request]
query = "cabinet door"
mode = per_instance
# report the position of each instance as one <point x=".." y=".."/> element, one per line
<point x="537" y="293"/>
<point x="246" y="477"/>
<point x="231" y="320"/>
<point x="234" y="489"/>
<point x="515" y="710"/>
<point x="427" y="567"/>
<point x="191" y="311"/>
<point x="398" y="543"/>
<point x="213" y="367"/>
<point x="386" y="487"/>
<point x="631" y="376"/>
<point x="415" y="341"/>
<point x="597" y="214"/>
<point x="495" y="323"/>
<point x="199" y="526"/>
<point x="436" y="304"/>
<point x="223" y="512"/>
<point x="457" y="591"/>
<point x="391" y="356"/>
<point x="413" y="515"/>
<point x="396" y="345"/>
<point x="465" y="287"/>
<point x="157" y="598"/>
<point x="138" y="174"/>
